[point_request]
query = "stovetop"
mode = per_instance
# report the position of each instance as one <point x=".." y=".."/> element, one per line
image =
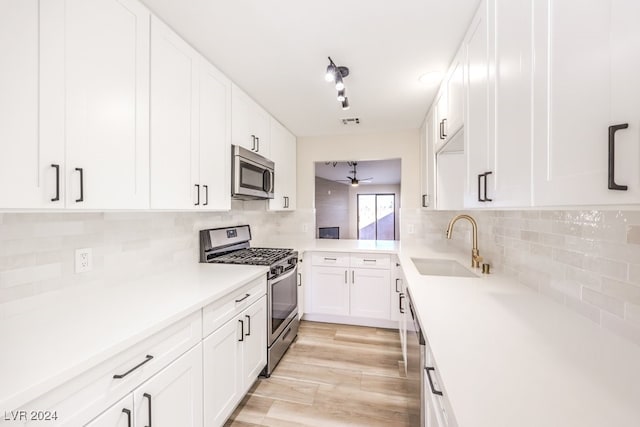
<point x="253" y="256"/>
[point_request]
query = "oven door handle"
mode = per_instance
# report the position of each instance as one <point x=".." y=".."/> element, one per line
<point x="286" y="276"/>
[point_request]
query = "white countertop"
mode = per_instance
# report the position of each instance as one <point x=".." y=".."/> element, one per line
<point x="75" y="329"/>
<point x="510" y="357"/>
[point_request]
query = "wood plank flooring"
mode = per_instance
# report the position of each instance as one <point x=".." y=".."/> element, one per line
<point x="332" y="375"/>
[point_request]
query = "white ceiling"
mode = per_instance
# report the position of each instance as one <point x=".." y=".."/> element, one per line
<point x="382" y="171"/>
<point x="277" y="52"/>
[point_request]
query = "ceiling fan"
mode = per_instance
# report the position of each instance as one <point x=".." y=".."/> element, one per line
<point x="354" y="181"/>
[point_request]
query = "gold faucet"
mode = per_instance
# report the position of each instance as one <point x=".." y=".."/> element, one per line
<point x="476" y="259"/>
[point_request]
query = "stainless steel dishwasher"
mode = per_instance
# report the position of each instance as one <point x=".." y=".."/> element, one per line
<point x="416" y="354"/>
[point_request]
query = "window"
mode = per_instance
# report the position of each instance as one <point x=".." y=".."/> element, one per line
<point x="376" y="217"/>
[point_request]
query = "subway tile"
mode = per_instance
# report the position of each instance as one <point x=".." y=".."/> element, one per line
<point x="568" y="257"/>
<point x="620" y="290"/>
<point x="633" y="234"/>
<point x="587" y="310"/>
<point x="632" y="313"/>
<point x="567" y="287"/>
<point x="21" y="276"/>
<point x="634" y="273"/>
<point x="606" y="267"/>
<point x="605" y="302"/>
<point x="567" y="228"/>
<point x="554" y="240"/>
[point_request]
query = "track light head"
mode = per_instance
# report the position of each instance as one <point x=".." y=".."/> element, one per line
<point x="339" y="82"/>
<point x="341" y="95"/>
<point x="331" y="72"/>
<point x="345" y="104"/>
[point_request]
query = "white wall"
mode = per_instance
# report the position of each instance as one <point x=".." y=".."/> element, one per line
<point x="401" y="145"/>
<point x="332" y="206"/>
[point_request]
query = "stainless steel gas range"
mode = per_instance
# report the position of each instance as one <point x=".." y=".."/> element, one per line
<point x="230" y="245"/>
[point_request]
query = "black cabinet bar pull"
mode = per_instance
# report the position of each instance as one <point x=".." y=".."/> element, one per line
<point x="128" y="413"/>
<point x="397" y="280"/>
<point x="148" y="396"/>
<point x="147" y="358"/>
<point x="480" y="199"/>
<point x="444" y="128"/>
<point x="248" y="324"/>
<point x="243" y="298"/>
<point x="612" y="157"/>
<point x="433" y="389"/>
<point x="400" y="307"/>
<point x="57" y="168"/>
<point x="330" y="259"/>
<point x="241" y="330"/>
<point x="258" y="141"/>
<point x="206" y="195"/>
<point x="486" y="199"/>
<point x="353" y="277"/>
<point x="198" y="193"/>
<point x="253" y="147"/>
<point x="81" y="199"/>
<point x="345" y="276"/>
<point x="299" y="279"/>
<point x="425" y="204"/>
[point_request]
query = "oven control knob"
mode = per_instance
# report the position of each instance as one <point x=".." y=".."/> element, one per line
<point x="274" y="271"/>
<point x="280" y="269"/>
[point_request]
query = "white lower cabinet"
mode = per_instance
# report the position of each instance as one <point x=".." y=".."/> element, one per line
<point x="234" y="356"/>
<point x="119" y="415"/>
<point x="172" y="397"/>
<point x="353" y="288"/>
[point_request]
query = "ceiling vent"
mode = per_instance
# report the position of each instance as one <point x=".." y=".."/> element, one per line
<point x="351" y="121"/>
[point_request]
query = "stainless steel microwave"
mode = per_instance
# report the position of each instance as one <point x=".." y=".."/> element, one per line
<point x="252" y="175"/>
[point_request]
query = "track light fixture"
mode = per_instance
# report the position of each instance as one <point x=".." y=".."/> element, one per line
<point x="336" y="74"/>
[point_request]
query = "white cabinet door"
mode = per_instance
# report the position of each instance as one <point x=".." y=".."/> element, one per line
<point x="215" y="138"/>
<point x="118" y="415"/>
<point x="250" y="124"/>
<point x="330" y="290"/>
<point x="254" y="345"/>
<point x="478" y="140"/>
<point x="428" y="161"/>
<point x="107" y="104"/>
<point x="510" y="182"/>
<point x="172" y="397"/>
<point x="174" y="144"/>
<point x="455" y="97"/>
<point x="283" y="154"/>
<point x="27" y="155"/>
<point x="222" y="352"/>
<point x="441" y="116"/>
<point x="585" y="81"/>
<point x="370" y="293"/>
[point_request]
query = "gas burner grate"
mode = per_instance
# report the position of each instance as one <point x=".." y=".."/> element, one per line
<point x="253" y="256"/>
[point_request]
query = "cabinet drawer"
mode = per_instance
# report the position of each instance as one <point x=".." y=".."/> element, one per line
<point x="217" y="313"/>
<point x="83" y="397"/>
<point x="333" y="259"/>
<point x="371" y="261"/>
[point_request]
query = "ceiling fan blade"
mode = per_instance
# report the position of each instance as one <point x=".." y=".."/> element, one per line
<point x="367" y="179"/>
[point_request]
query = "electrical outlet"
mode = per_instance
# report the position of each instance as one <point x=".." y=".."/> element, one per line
<point x="411" y="228"/>
<point x="83" y="260"/>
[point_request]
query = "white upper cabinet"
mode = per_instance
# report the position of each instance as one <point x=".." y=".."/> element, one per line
<point x="250" y="123"/>
<point x="455" y="97"/>
<point x="106" y="59"/>
<point x="27" y="180"/>
<point x="586" y="81"/>
<point x="283" y="154"/>
<point x="75" y="87"/>
<point x="190" y="127"/>
<point x="498" y="129"/>
<point x="427" y="161"/>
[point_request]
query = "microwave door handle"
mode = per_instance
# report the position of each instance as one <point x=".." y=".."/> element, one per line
<point x="272" y="181"/>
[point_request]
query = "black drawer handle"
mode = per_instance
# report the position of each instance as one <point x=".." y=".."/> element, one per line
<point x="368" y="260"/>
<point x="81" y="199"/>
<point x="248" y="324"/>
<point x="433" y="389"/>
<point x="198" y="193"/>
<point x="243" y="298"/>
<point x="612" y="157"/>
<point x="486" y="199"/>
<point x="444" y="128"/>
<point x="241" y="330"/>
<point x="206" y="195"/>
<point x="146" y="359"/>
<point x="148" y="396"/>
<point x="57" y="168"/>
<point x="480" y="199"/>
<point x="253" y="146"/>
<point x="400" y="307"/>
<point x="128" y="413"/>
<point x="258" y="141"/>
<point x="330" y="259"/>
<point x="425" y="203"/>
<point x="397" y="280"/>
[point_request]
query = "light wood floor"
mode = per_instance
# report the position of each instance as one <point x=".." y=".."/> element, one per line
<point x="332" y="375"/>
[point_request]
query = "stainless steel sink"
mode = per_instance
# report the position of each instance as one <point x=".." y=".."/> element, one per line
<point x="441" y="267"/>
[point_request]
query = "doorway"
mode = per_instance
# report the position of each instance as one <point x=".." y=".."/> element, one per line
<point x="376" y="216"/>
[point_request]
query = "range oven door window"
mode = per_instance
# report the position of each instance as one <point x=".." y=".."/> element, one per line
<point x="284" y="299"/>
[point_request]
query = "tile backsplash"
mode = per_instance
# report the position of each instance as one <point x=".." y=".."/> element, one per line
<point x="588" y="260"/>
<point x="37" y="250"/>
